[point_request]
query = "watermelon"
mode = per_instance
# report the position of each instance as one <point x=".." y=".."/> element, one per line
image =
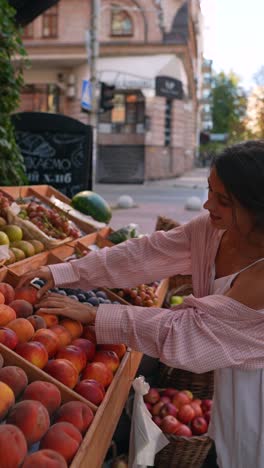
<point x="92" y="204"/>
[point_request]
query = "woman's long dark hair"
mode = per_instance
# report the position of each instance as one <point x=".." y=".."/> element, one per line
<point x="241" y="169"/>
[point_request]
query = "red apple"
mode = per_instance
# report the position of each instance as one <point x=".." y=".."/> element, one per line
<point x="199" y="426"/>
<point x="155" y="409"/>
<point x="197" y="408"/>
<point x="206" y="405"/>
<point x="189" y="394"/>
<point x="180" y="399"/>
<point x="169" y="392"/>
<point x="168" y="408"/>
<point x="186" y="414"/>
<point x="149" y="407"/>
<point x="157" y="420"/>
<point x="152" y="396"/>
<point x="165" y="399"/>
<point x="183" y="430"/>
<point x="169" y="424"/>
<point x="207" y="416"/>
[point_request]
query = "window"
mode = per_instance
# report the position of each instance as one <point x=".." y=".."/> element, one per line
<point x="28" y="31"/>
<point x="128" y="112"/>
<point x="121" y="23"/>
<point x="50" y="22"/>
<point x="43" y="98"/>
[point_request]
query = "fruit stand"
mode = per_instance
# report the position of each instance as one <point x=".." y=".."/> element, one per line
<point x="79" y="239"/>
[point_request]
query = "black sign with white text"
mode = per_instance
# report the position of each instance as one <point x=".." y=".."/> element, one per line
<point x="57" y="150"/>
<point x="168" y="87"/>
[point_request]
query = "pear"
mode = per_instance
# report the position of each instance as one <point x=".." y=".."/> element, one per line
<point x="19" y="254"/>
<point x="3" y="238"/>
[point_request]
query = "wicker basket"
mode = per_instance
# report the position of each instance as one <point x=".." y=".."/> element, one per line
<point x="165" y="224"/>
<point x="201" y="385"/>
<point x="184" y="452"/>
<point x="181" y="452"/>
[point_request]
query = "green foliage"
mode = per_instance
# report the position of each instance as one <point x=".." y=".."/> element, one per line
<point x="11" y="81"/>
<point x="229" y="104"/>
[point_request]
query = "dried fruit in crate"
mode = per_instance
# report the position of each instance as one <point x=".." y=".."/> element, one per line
<point x="49" y="221"/>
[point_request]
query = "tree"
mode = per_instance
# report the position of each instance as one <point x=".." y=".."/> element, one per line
<point x="229" y="104"/>
<point x="256" y="106"/>
<point x="11" y="81"/>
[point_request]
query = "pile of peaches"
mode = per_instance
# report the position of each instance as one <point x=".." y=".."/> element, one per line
<point x="36" y="429"/>
<point x="64" y="349"/>
<point x="178" y="412"/>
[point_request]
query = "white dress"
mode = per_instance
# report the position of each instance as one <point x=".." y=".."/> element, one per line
<point x="237" y="424"/>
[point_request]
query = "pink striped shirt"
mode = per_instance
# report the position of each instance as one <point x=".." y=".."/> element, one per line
<point x="212" y="332"/>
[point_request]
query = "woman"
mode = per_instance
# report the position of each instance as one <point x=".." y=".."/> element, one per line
<point x="221" y="327"/>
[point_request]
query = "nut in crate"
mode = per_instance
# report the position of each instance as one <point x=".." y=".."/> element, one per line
<point x="178" y="412"/>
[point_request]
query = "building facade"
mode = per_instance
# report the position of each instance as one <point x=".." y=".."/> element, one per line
<point x="151" y="51"/>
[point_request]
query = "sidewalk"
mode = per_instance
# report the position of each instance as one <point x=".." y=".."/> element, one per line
<point x="153" y="198"/>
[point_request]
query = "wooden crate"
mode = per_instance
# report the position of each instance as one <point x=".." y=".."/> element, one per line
<point x="11" y="358"/>
<point x="98" y="438"/>
<point x="39" y="192"/>
<point x="31" y="263"/>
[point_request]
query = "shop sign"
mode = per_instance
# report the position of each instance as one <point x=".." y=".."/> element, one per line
<point x="168" y="87"/>
<point x="57" y="150"/>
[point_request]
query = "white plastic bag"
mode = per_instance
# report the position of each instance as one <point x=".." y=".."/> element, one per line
<point x="146" y="438"/>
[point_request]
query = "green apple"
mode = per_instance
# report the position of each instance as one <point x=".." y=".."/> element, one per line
<point x="176" y="300"/>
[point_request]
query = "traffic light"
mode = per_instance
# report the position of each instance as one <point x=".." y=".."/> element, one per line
<point x="106" y="97"/>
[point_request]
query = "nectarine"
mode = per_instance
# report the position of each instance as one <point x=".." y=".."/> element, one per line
<point x="15" y="377"/>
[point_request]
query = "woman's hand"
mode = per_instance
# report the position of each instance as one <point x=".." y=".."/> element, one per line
<point x="43" y="273"/>
<point x="61" y="305"/>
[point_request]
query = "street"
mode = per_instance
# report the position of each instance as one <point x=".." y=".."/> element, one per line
<point x="154" y="198"/>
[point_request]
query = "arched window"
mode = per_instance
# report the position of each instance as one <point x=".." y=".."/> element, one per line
<point x="121" y="23"/>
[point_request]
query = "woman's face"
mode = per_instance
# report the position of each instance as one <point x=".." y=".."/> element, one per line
<point x="225" y="212"/>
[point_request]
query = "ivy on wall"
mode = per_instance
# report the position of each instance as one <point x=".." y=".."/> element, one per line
<point x="12" y="60"/>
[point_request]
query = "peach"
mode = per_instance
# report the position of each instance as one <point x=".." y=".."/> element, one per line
<point x="7" y="399"/>
<point x="62" y="370"/>
<point x="49" y="339"/>
<point x="43" y="459"/>
<point x="37" y="321"/>
<point x="8" y="291"/>
<point x="89" y="333"/>
<point x="15" y="377"/>
<point x="2" y="298"/>
<point x="32" y="418"/>
<point x="64" y="438"/>
<point x="22" y="328"/>
<point x="76" y="413"/>
<point x="63" y="334"/>
<point x="98" y="371"/>
<point x="45" y="392"/>
<point x="8" y="337"/>
<point x="34" y="352"/>
<point x="91" y="390"/>
<point x="28" y="293"/>
<point x="75" y="355"/>
<point x="73" y="326"/>
<point x="109" y="358"/>
<point x="50" y="319"/>
<point x="119" y="349"/>
<point x="22" y="308"/>
<point x="6" y="314"/>
<point x="87" y="346"/>
<point x="13" y="446"/>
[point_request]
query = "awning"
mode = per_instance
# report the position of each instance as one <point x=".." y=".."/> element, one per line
<point x="139" y="72"/>
<point x="28" y="10"/>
